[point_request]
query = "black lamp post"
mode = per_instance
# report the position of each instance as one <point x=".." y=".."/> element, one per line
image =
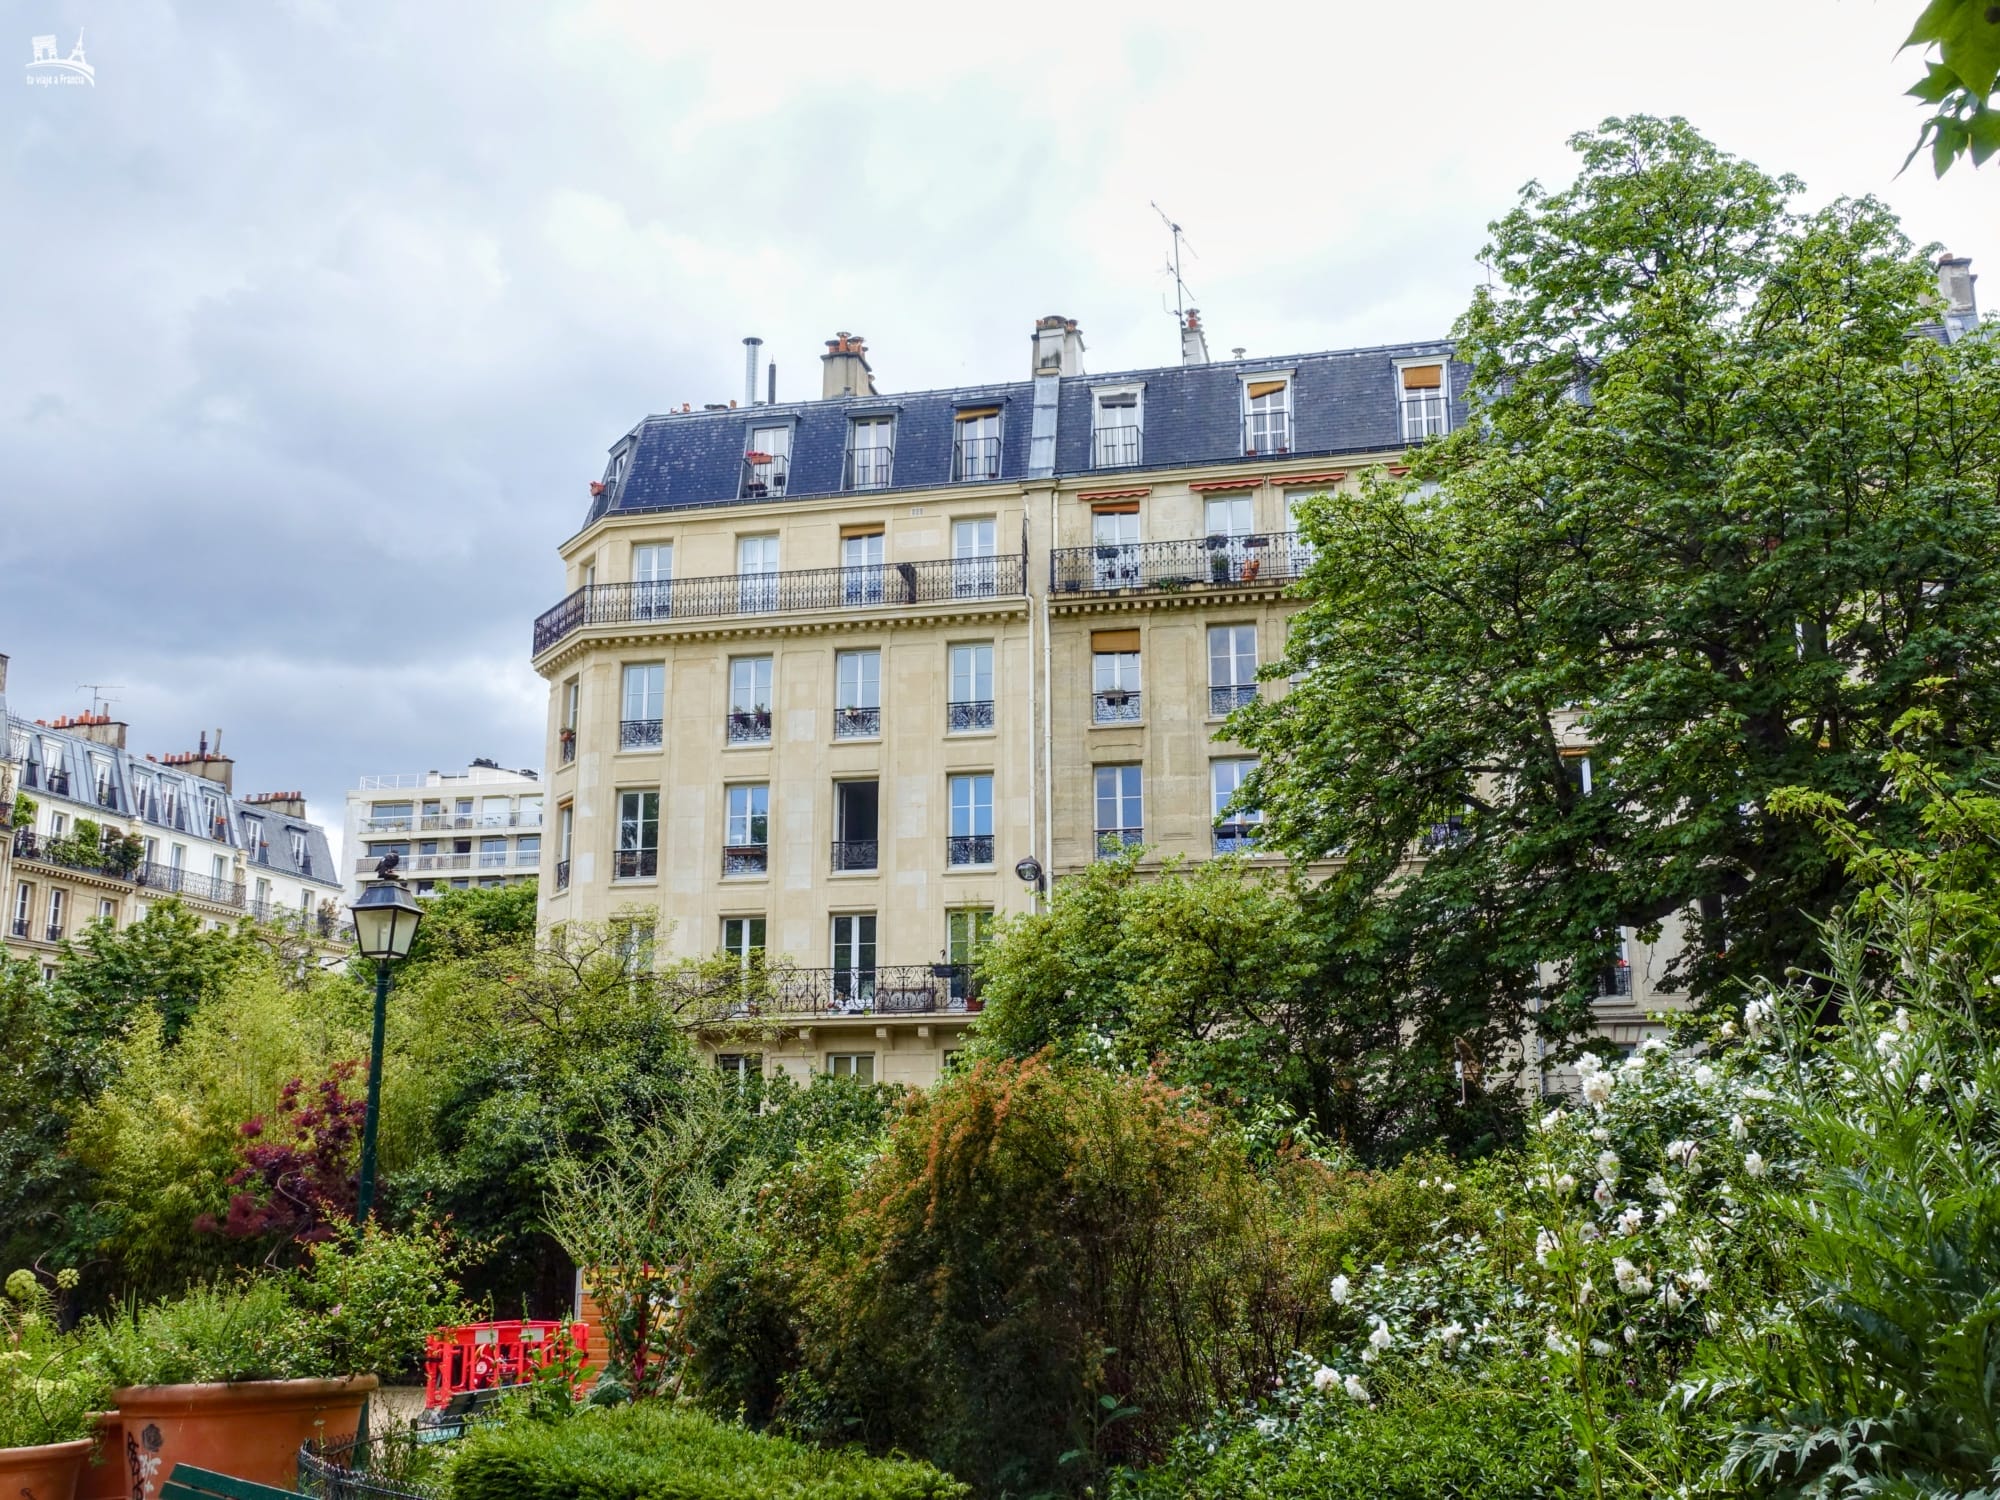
<point x="385" y="924"/>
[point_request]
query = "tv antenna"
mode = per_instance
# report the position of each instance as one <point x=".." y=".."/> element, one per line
<point x="1182" y="293"/>
<point x="98" y="691"/>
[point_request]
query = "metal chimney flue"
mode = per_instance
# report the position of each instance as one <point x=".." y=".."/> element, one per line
<point x="752" y="347"/>
<point x="771" y="390"/>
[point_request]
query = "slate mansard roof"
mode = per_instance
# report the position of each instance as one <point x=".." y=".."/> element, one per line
<point x="105" y="782"/>
<point x="1344" y="401"/>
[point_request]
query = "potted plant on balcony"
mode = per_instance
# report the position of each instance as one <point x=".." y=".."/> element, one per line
<point x="50" y="1395"/>
<point x="233" y="1379"/>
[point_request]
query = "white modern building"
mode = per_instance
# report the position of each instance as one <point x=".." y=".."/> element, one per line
<point x="451" y="829"/>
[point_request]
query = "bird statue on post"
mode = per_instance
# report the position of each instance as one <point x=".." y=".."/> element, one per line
<point x="386" y="870"/>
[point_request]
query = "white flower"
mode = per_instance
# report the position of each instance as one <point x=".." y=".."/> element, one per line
<point x="1552" y="1119"/>
<point x="1589" y="1063"/>
<point x="1627" y="1274"/>
<point x="1355" y="1389"/>
<point x="1758" y="1014"/>
<point x="1630" y="1221"/>
<point x="1700" y="1245"/>
<point x="1925" y="1083"/>
<point x="1695" y="1279"/>
<point x="1753" y="1163"/>
<point x="1607" y="1166"/>
<point x="1565" y="1185"/>
<point x="1544" y="1243"/>
<point x="1451" y="1333"/>
<point x="1560" y="1343"/>
<point x="1599" y="1134"/>
<point x="1651" y="1045"/>
<point x="1704" y="1076"/>
<point x="1597" y="1090"/>
<point x="1586" y="1289"/>
<point x="1602" y="1193"/>
<point x="1886" y="1043"/>
<point x="1671" y="1298"/>
<point x="1447" y="1187"/>
<point x="1657" y="1185"/>
<point x="1633" y="1066"/>
<point x="1339" y="1290"/>
<point x="1631" y="1335"/>
<point x="1901" y="1020"/>
<point x="1381" y="1338"/>
<point x="1739" y="1129"/>
<point x="1682" y="1153"/>
<point x="1728" y="1031"/>
<point x="1267" y="1427"/>
<point x="1667" y="1209"/>
<point x="1599" y="1348"/>
<point x="1712" y="1321"/>
<point x="1588" y="1233"/>
<point x="1325" y="1379"/>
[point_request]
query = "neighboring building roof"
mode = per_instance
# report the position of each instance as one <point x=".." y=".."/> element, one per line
<point x="1343" y="401"/>
<point x="274" y="851"/>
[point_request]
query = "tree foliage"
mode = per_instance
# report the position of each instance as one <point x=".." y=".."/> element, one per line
<point x="166" y="960"/>
<point x="1718" y="515"/>
<point x="1958" y="82"/>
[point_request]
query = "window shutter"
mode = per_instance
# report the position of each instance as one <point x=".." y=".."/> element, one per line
<point x="864" y="528"/>
<point x="974" y="413"/>
<point x="1423" y="377"/>
<point x="1114" y="640"/>
<point x="1258" y="388"/>
<point x="1116" y="508"/>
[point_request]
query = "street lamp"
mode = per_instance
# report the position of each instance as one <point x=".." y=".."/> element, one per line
<point x="385" y="924"/>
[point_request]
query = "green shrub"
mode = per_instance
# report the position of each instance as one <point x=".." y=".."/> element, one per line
<point x="378" y="1295"/>
<point x="48" y="1389"/>
<point x="651" y="1452"/>
<point x="252" y="1332"/>
<point x="1444" y="1438"/>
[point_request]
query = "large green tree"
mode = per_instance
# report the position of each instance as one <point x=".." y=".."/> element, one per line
<point x="166" y="960"/>
<point x="1722" y="513"/>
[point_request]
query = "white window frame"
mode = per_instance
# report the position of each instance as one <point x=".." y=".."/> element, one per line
<point x="759" y="684"/>
<point x="877" y="424"/>
<point x="1249" y="378"/>
<point x="742" y="813"/>
<point x="1135" y="389"/>
<point x="774" y="476"/>
<point x="1237" y="767"/>
<point x="652" y="696"/>
<point x="977" y="660"/>
<point x="1418" y="361"/>
<point x="970" y="793"/>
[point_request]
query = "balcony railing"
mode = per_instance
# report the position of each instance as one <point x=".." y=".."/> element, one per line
<point x="875" y="585"/>
<point x="562" y="874"/>
<point x="19" y="927"/>
<point x="459" y="822"/>
<point x="61" y="852"/>
<point x="1441" y="836"/>
<point x="765" y="474"/>
<point x="566" y="747"/>
<point x="749" y="726"/>
<point x="869" y="468"/>
<point x="746" y="859"/>
<point x="635" y="864"/>
<point x="1115" y="448"/>
<point x="1177" y="567"/>
<point x="639" y="734"/>
<point x="854" y="854"/>
<point x="1425" y="416"/>
<point x="156" y="876"/>
<point x="969" y="849"/>
<point x="1265" y="433"/>
<point x="1118" y="707"/>
<point x="1615" y="981"/>
<point x="1112" y="842"/>
<point x="975" y="458"/>
<point x="1235" y="838"/>
<point x="960" y="717"/>
<point x="54" y="932"/>
<point x="1227" y="699"/>
<point x="776" y="989"/>
<point x="107" y="795"/>
<point x="857" y="723"/>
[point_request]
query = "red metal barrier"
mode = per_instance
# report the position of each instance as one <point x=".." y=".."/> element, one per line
<point x="480" y="1356"/>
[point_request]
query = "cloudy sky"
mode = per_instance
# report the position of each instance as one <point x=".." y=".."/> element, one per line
<point x="320" y="314"/>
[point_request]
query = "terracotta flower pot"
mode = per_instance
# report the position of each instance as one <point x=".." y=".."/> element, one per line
<point x="47" y="1472"/>
<point x="104" y="1479"/>
<point x="250" y="1429"/>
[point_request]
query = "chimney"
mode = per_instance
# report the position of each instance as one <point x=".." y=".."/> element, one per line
<point x="100" y="729"/>
<point x="771" y="390"/>
<point x="751" y="346"/>
<point x="845" y="369"/>
<point x="1058" y="346"/>
<point x="207" y="762"/>
<point x="1955" y="278"/>
<point x="286" y="804"/>
<point x="1194" y="348"/>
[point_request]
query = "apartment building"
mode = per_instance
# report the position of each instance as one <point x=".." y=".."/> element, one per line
<point x="450" y="829"/>
<point x="839" y="681"/>
<point x="98" y="832"/>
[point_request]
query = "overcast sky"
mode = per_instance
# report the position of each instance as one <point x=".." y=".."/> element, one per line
<point x="320" y="316"/>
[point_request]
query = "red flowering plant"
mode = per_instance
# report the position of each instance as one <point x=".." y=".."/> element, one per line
<point x="297" y="1180"/>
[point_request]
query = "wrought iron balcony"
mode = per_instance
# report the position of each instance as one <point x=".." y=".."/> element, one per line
<point x="869" y="468"/>
<point x="749" y="726"/>
<point x="562" y="874"/>
<point x="1236" y="838"/>
<point x="1112" y="842"/>
<point x="635" y="864"/>
<point x="1266" y="433"/>
<point x="768" y="989"/>
<point x="54" y="932"/>
<point x="878" y="585"/>
<point x="746" y="859"/>
<point x="1615" y="981"/>
<point x="1446" y="835"/>
<point x="765" y="475"/>
<point x="1116" y="448"/>
<point x="156" y="876"/>
<point x="20" y="927"/>
<point x="1120" y="706"/>
<point x="857" y="723"/>
<point x="1227" y="699"/>
<point x="961" y="717"/>
<point x="854" y="854"/>
<point x="566" y="746"/>
<point x="107" y="795"/>
<point x="1179" y="567"/>
<point x="639" y="734"/>
<point x="969" y="849"/>
<point x="975" y="458"/>
<point x="1425" y="416"/>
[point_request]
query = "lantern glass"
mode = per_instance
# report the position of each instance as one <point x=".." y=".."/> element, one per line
<point x="385" y="920"/>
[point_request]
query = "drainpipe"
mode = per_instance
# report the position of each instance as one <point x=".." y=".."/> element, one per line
<point x="1048" y="725"/>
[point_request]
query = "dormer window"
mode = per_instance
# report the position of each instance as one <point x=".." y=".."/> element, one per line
<point x="767" y="462"/>
<point x="1267" y="415"/>
<point x="975" y="449"/>
<point x="871" y="452"/>
<point x="1117" y="429"/>
<point x="614" y="472"/>
<point x="1423" y="395"/>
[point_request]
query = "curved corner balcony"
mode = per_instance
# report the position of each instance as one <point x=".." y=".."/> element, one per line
<point x="875" y="586"/>
<point x="1184" y="567"/>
